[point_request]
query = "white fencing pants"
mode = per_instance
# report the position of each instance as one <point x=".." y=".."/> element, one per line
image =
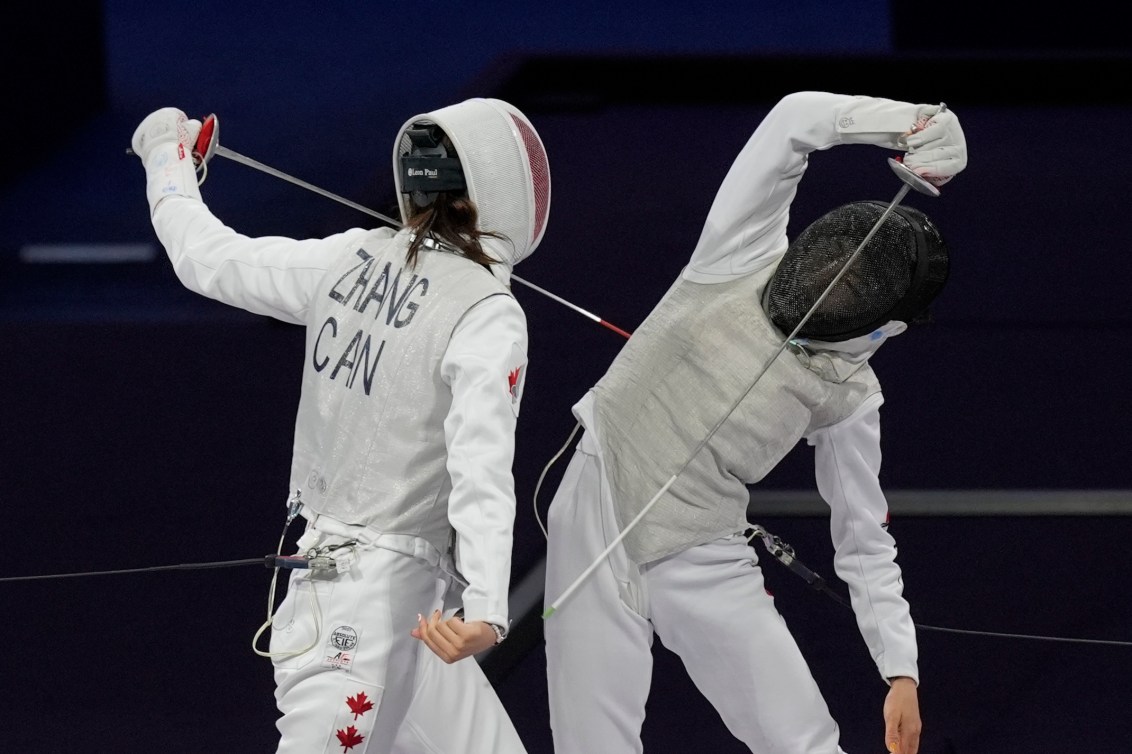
<point x="367" y="686"/>
<point x="707" y="604"/>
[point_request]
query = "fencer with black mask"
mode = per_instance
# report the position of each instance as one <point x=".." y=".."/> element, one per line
<point x="414" y="364"/>
<point x="685" y="570"/>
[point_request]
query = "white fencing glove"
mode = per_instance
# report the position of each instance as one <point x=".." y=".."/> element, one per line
<point x="165" y="141"/>
<point x="937" y="149"/>
<point x="930" y="134"/>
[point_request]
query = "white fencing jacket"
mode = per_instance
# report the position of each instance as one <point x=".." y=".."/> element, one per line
<point x="412" y="381"/>
<point x="743" y="237"/>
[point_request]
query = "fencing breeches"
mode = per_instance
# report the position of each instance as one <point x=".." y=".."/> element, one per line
<point x="366" y="686"/>
<point x="707" y="604"/>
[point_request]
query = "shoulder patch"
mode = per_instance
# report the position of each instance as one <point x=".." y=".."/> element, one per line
<point x="516" y="376"/>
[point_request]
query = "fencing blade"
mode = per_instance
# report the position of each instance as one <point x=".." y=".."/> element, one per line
<point x="208" y="144"/>
<point x="229" y="154"/>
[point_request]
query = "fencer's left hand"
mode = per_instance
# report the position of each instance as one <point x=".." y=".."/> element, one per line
<point x="937" y="149"/>
<point x="902" y="717"/>
<point x="452" y="640"/>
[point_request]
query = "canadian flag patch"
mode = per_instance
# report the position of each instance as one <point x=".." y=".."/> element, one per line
<point x="353" y="723"/>
<point x="516" y="376"/>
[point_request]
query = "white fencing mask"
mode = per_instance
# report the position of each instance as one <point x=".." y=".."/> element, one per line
<point x="503" y="165"/>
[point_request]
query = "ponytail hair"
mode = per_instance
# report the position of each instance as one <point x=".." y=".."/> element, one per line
<point x="451" y="219"/>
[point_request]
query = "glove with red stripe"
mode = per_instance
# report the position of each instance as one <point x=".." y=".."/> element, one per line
<point x="166" y="143"/>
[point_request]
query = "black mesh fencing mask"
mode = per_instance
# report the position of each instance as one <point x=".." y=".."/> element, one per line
<point x="895" y="277"/>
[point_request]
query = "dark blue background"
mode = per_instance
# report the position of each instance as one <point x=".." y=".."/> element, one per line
<point x="141" y="425"/>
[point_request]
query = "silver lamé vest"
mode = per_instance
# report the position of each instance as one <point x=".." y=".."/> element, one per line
<point x="369" y="436"/>
<point x="684" y="367"/>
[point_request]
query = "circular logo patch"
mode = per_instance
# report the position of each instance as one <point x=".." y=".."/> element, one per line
<point x="344" y="638"/>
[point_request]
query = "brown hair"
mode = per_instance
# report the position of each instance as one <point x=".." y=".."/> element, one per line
<point x="450" y="219"/>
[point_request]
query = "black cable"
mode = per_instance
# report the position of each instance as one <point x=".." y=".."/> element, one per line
<point x="293" y="508"/>
<point x="781" y="552"/>
<point x="179" y="567"/>
<point x="784" y="554"/>
<point x="1110" y="642"/>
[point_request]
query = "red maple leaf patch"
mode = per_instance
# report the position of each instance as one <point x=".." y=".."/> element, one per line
<point x="359" y="704"/>
<point x="349" y="738"/>
<point x="513" y="382"/>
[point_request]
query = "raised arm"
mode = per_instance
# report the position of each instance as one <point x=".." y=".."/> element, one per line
<point x="746" y="226"/>
<point x="272" y="275"/>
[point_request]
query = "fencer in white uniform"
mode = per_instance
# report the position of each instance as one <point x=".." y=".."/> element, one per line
<point x="413" y="372"/>
<point x="686" y="571"/>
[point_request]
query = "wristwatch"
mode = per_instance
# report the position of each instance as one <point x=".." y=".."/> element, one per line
<point x="500" y="633"/>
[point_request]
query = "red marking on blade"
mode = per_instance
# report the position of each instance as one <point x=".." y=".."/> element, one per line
<point x="614" y="328"/>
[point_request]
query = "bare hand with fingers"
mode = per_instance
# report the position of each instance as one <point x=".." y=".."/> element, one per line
<point x="902" y="717"/>
<point x="452" y="640"/>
